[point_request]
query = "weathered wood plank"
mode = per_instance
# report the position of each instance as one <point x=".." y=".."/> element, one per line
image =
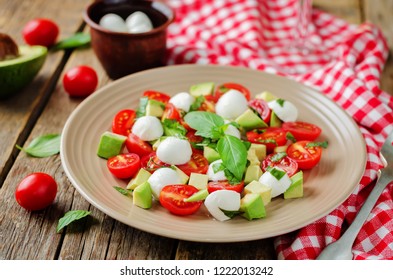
<point x="350" y="10"/>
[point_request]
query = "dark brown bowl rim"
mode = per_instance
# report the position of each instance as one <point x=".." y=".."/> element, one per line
<point x="96" y="26"/>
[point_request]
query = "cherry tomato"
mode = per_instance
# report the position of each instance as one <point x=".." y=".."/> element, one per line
<point x="156" y="95"/>
<point x="124" y="166"/>
<point x="197" y="164"/>
<point x="36" y="191"/>
<point x="40" y="31"/>
<point x="151" y="162"/>
<point x="80" y="81"/>
<point x="261" y="107"/>
<point x="271" y="137"/>
<point x="172" y="198"/>
<point x="171" y="112"/>
<point x="286" y="163"/>
<point x="305" y="156"/>
<point x="224" y="185"/>
<point x="302" y="130"/>
<point x="137" y="146"/>
<point x="123" y="121"/>
<point x="222" y="89"/>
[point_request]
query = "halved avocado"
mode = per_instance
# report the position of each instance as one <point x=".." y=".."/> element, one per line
<point x="17" y="72"/>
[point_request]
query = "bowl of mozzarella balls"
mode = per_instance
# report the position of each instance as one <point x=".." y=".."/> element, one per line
<point x="128" y="36"/>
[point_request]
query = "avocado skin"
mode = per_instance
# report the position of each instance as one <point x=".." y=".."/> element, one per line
<point x="15" y="76"/>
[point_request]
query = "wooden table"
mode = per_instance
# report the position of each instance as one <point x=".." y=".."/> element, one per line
<point x="43" y="108"/>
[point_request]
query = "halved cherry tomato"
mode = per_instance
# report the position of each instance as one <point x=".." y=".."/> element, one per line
<point x="207" y="106"/>
<point x="261" y="107"/>
<point x="171" y="112"/>
<point x="151" y="162"/>
<point x="123" y="121"/>
<point x="124" y="166"/>
<point x="135" y="145"/>
<point x="222" y="89"/>
<point x="156" y="95"/>
<point x="172" y="198"/>
<point x="192" y="138"/>
<point x="271" y="137"/>
<point x="197" y="164"/>
<point x="302" y="130"/>
<point x="305" y="156"/>
<point x="224" y="185"/>
<point x="286" y="163"/>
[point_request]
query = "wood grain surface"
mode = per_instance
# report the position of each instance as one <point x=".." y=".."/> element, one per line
<point x="43" y="107"/>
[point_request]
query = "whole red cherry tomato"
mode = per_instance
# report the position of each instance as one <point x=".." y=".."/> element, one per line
<point x="36" y="191"/>
<point x="80" y="81"/>
<point x="40" y="31"/>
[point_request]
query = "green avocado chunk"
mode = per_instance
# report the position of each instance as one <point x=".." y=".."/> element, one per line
<point x="198" y="196"/>
<point x="210" y="154"/>
<point x="110" y="144"/>
<point x="142" y="196"/>
<point x="249" y="120"/>
<point x="155" y="108"/>
<point x="142" y="176"/>
<point x="295" y="190"/>
<point x="252" y="206"/>
<point x="202" y="89"/>
<point x="17" y="72"/>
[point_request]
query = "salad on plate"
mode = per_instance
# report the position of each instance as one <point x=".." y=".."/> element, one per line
<point x="214" y="146"/>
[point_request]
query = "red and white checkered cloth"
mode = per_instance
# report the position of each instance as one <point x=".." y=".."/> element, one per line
<point x="345" y="64"/>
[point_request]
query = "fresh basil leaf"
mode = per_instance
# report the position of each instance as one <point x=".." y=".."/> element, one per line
<point x="141" y="111"/>
<point x="173" y="128"/>
<point x="203" y="121"/>
<point x="77" y="40"/>
<point x="317" y="144"/>
<point x="279" y="156"/>
<point x="43" y="146"/>
<point x="289" y="136"/>
<point x="231" y="178"/>
<point x="276" y="173"/>
<point x="280" y="102"/>
<point x="231" y="214"/>
<point x="218" y="167"/>
<point x="247" y="144"/>
<point x="233" y="154"/>
<point x="70" y="217"/>
<point x="197" y="103"/>
<point x="123" y="191"/>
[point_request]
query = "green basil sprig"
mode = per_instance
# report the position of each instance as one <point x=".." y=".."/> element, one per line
<point x="124" y="192"/>
<point x="70" y="217"/>
<point x="43" y="146"/>
<point x="77" y="40"/>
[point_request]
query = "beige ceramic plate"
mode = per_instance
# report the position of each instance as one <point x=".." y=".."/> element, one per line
<point x="325" y="187"/>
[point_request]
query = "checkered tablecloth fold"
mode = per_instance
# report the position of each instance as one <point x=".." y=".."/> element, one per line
<point x="345" y="63"/>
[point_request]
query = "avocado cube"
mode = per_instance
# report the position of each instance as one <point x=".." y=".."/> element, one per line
<point x="250" y="120"/>
<point x="111" y="144"/>
<point x="198" y="196"/>
<point x="252" y="157"/>
<point x="199" y="181"/>
<point x="210" y="154"/>
<point x="155" y="108"/>
<point x="260" y="150"/>
<point x="295" y="190"/>
<point x="183" y="176"/>
<point x="257" y="187"/>
<point x="142" y="176"/>
<point x="202" y="89"/>
<point x="142" y="196"/>
<point x="274" y="120"/>
<point x="267" y="96"/>
<point x="280" y="149"/>
<point x="253" y="172"/>
<point x="252" y="206"/>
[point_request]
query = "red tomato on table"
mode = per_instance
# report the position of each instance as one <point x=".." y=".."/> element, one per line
<point x="36" y="191"/>
<point x="172" y="198"/>
<point x="302" y="130"/>
<point x="271" y="137"/>
<point x="135" y="145"/>
<point x="80" y="81"/>
<point x="305" y="155"/>
<point x="124" y="166"/>
<point x="40" y="31"/>
<point x="123" y="121"/>
<point x="224" y="185"/>
<point x="286" y="163"/>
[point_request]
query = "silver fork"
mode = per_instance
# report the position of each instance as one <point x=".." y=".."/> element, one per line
<point x="342" y="248"/>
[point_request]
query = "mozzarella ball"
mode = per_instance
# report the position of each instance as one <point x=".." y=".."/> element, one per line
<point x="148" y="128"/>
<point x="222" y="199"/>
<point x="163" y="177"/>
<point x="182" y="100"/>
<point x="285" y="110"/>
<point x="138" y="22"/>
<point x="232" y="130"/>
<point x="231" y="105"/>
<point x="278" y="186"/>
<point x="218" y="176"/>
<point x="175" y="151"/>
<point x="113" y="22"/>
